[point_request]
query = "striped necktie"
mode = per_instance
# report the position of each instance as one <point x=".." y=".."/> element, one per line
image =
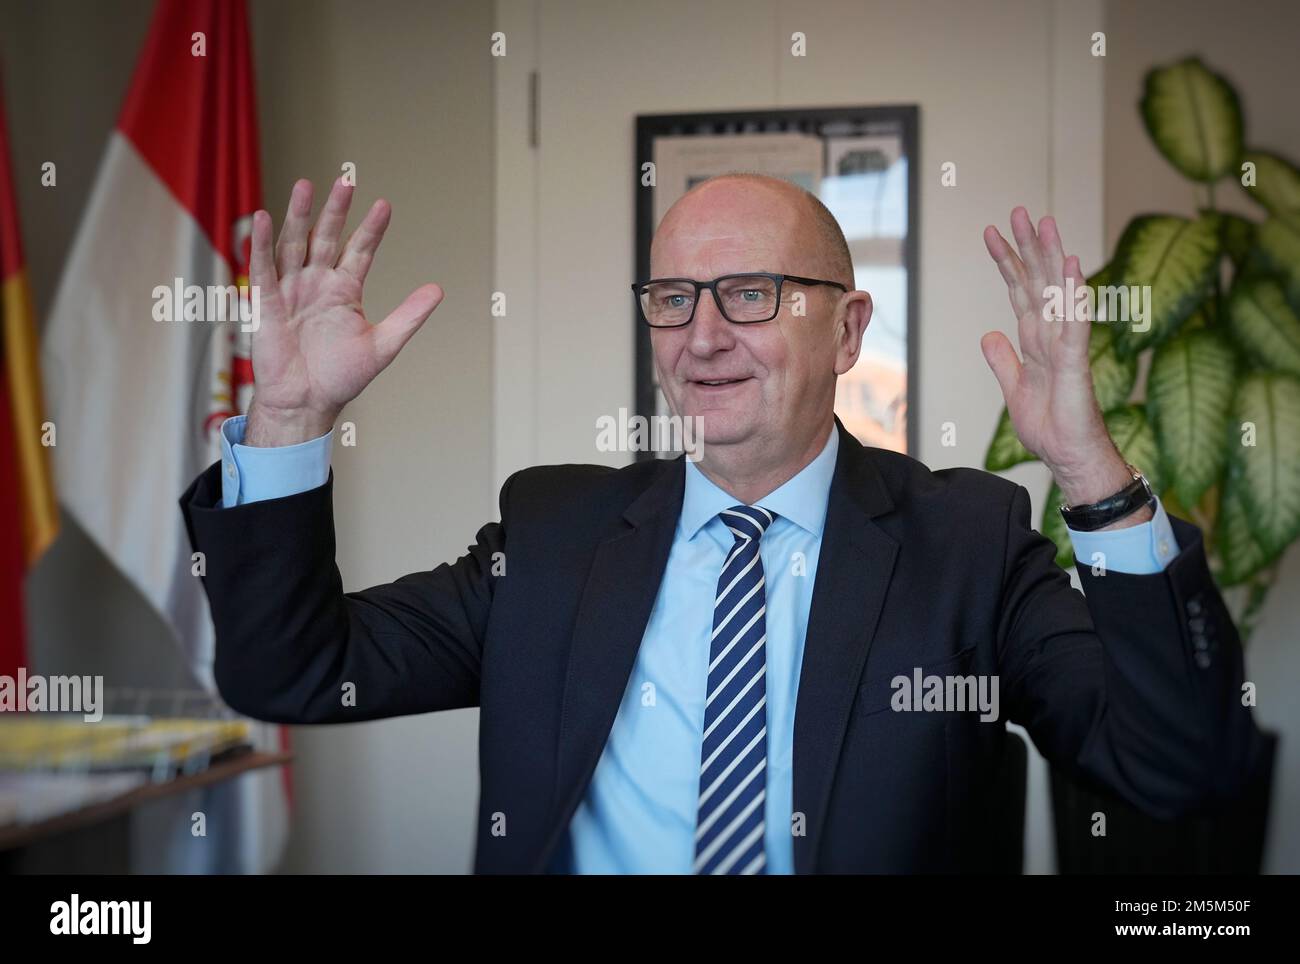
<point x="733" y="756"/>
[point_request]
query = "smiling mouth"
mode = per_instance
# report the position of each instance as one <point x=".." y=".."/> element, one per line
<point x="716" y="382"/>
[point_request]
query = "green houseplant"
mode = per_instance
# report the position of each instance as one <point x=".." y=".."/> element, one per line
<point x="1217" y="430"/>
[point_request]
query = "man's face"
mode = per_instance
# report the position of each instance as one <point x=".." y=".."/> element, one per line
<point x="750" y="383"/>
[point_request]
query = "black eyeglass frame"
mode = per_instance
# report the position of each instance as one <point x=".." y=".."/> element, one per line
<point x="712" y="286"/>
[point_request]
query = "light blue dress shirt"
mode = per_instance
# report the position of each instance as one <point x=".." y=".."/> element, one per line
<point x="638" y="815"/>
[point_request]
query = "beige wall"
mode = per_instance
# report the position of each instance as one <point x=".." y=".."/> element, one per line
<point x="1253" y="45"/>
<point x="403" y="89"/>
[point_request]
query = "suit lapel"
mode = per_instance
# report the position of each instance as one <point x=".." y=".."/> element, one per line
<point x="853" y="573"/>
<point x="612" y="616"/>
<point x="854" y="568"/>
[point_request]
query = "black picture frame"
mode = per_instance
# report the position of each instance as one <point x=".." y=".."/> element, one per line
<point x="904" y="118"/>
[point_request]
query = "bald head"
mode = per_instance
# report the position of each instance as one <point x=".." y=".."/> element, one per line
<point x="764" y="391"/>
<point x="809" y="226"/>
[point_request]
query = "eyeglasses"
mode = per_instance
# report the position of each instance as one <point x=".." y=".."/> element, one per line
<point x="743" y="299"/>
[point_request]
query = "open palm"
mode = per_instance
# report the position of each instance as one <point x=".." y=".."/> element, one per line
<point x="1049" y="395"/>
<point x="314" y="349"/>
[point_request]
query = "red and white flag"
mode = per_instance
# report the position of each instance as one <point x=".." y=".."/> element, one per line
<point x="139" y="384"/>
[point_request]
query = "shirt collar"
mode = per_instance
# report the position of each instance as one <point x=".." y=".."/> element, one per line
<point x="802" y="500"/>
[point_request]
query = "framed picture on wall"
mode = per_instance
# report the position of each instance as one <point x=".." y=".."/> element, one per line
<point x="862" y="163"/>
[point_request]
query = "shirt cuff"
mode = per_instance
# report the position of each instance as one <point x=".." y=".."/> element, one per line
<point x="251" y="473"/>
<point x="1140" y="549"/>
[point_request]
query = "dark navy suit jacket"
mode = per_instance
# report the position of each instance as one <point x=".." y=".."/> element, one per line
<point x="918" y="569"/>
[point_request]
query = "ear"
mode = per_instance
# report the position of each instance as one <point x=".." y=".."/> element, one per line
<point x="851" y="320"/>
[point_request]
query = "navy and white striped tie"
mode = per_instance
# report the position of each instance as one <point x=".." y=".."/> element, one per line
<point x="733" y="757"/>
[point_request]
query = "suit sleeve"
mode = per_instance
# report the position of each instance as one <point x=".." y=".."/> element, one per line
<point x="1137" y="684"/>
<point x="289" y="641"/>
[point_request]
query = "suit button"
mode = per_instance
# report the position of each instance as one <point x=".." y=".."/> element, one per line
<point x="1197" y="625"/>
<point x="1200" y="642"/>
<point x="1203" y="660"/>
<point x="1194" y="607"/>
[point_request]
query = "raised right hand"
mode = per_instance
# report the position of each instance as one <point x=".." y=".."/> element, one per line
<point x="314" y="351"/>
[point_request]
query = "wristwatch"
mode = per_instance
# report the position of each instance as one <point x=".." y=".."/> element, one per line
<point x="1098" y="515"/>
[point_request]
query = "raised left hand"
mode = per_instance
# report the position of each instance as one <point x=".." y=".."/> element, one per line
<point x="1049" y="394"/>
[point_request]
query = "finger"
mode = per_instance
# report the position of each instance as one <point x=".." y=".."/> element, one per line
<point x="1049" y="240"/>
<point x="261" y="264"/>
<point x="323" y="245"/>
<point x="1004" y="362"/>
<point x="360" y="250"/>
<point x="405" y="320"/>
<point x="1011" y="269"/>
<point x="1078" y="326"/>
<point x="1030" y="254"/>
<point x="1027" y="306"/>
<point x="291" y="249"/>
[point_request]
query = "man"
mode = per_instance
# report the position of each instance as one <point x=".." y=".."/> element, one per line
<point x="694" y="667"/>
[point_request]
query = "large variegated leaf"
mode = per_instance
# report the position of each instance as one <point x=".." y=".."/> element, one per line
<point x="1189" y="396"/>
<point x="1239" y="551"/>
<point x="1264" y="456"/>
<point x="1112" y="376"/>
<point x="1194" y="118"/>
<point x="1264" y="324"/>
<point x="1277" y="182"/>
<point x="1171" y="261"/>
<point x="1136" y="442"/>
<point x="1279" y="242"/>
<point x="1202" y="317"/>
<point x="1237" y="237"/>
<point x="1005" y="450"/>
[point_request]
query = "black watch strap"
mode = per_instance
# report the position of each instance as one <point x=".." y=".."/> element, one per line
<point x="1088" y="518"/>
